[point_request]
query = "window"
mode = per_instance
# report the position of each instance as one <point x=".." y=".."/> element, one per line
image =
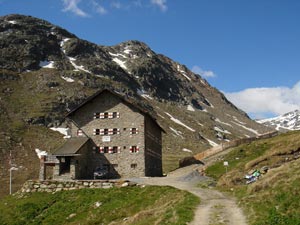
<point x="116" y="149"/>
<point x="97" y="115"/>
<point x="133" y="166"/>
<point x="106" y="115"/>
<point x="105" y="132"/>
<point x="96" y="131"/>
<point x="105" y="149"/>
<point x="116" y="115"/>
<point x="124" y="128"/>
<point x="133" y="131"/>
<point x="116" y="131"/>
<point x="134" y="149"/>
<point x="79" y="132"/>
<point x="124" y="147"/>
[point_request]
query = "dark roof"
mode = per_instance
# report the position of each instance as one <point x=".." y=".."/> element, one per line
<point x="144" y="111"/>
<point x="71" y="146"/>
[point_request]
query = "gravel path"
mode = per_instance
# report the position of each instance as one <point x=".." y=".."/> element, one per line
<point x="215" y="207"/>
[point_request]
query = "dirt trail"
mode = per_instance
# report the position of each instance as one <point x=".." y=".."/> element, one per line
<point x="215" y="208"/>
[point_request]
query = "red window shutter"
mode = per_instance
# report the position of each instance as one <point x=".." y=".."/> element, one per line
<point x="137" y="149"/>
<point x="118" y="115"/>
<point x="101" y="149"/>
<point x="137" y="131"/>
<point x="79" y="132"/>
<point x="110" y="150"/>
<point x="130" y="149"/>
<point x="119" y="149"/>
<point x="101" y="115"/>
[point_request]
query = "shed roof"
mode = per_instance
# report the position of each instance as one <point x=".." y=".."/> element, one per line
<point x="71" y="146"/>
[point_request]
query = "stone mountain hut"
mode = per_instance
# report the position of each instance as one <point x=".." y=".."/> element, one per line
<point x="108" y="131"/>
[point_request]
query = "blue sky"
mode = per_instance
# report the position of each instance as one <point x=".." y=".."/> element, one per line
<point x="250" y="50"/>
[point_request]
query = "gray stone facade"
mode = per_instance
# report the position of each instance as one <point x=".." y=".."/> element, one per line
<point x="123" y="139"/>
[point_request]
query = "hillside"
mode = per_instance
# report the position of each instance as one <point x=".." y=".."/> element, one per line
<point x="45" y="71"/>
<point x="285" y="122"/>
<point x="130" y="205"/>
<point x="274" y="197"/>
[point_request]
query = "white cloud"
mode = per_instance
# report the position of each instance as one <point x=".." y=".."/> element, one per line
<point x="72" y="6"/>
<point x="203" y="73"/>
<point x="266" y="101"/>
<point x="99" y="8"/>
<point x="116" y="5"/>
<point x="138" y="3"/>
<point x="162" y="4"/>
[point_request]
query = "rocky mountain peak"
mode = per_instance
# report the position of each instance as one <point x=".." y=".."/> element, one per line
<point x="287" y="121"/>
<point x="46" y="71"/>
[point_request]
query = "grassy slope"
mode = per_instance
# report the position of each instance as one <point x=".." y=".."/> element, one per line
<point x="131" y="205"/>
<point x="275" y="197"/>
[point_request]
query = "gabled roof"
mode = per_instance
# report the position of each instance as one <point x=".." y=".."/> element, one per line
<point x="71" y="146"/>
<point x="142" y="110"/>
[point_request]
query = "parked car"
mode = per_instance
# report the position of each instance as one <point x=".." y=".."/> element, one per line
<point x="100" y="173"/>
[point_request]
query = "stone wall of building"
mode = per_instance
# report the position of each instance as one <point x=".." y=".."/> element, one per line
<point x="31" y="186"/>
<point x="123" y="163"/>
<point x="153" y="152"/>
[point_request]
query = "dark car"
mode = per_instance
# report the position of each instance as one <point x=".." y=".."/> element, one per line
<point x="100" y="173"/>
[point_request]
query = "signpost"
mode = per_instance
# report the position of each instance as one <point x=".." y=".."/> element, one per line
<point x="226" y="164"/>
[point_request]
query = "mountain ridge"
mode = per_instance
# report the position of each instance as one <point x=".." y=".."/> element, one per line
<point x="285" y="122"/>
<point x="47" y="71"/>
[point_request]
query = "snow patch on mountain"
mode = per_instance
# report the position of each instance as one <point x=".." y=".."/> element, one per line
<point x="212" y="143"/>
<point x="190" y="108"/>
<point x="177" y="132"/>
<point x="218" y="129"/>
<point x="247" y="128"/>
<point x="47" y="64"/>
<point x="40" y="153"/>
<point x="211" y="105"/>
<point x="179" y="122"/>
<point x="187" y="150"/>
<point x="289" y="121"/>
<point x="120" y="63"/>
<point x="12" y="22"/>
<point x="77" y="68"/>
<point x="62" y="130"/>
<point x="183" y="73"/>
<point x="219" y="121"/>
<point x="117" y="55"/>
<point x="68" y="79"/>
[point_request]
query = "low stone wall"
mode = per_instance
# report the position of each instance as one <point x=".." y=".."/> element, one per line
<point x="54" y="186"/>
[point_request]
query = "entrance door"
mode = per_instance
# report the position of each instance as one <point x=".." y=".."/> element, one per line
<point x="65" y="163"/>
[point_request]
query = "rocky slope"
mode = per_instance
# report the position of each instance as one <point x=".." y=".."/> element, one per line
<point x="45" y="71"/>
<point x="288" y="121"/>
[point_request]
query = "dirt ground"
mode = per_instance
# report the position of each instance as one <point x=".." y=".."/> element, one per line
<point x="215" y="208"/>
